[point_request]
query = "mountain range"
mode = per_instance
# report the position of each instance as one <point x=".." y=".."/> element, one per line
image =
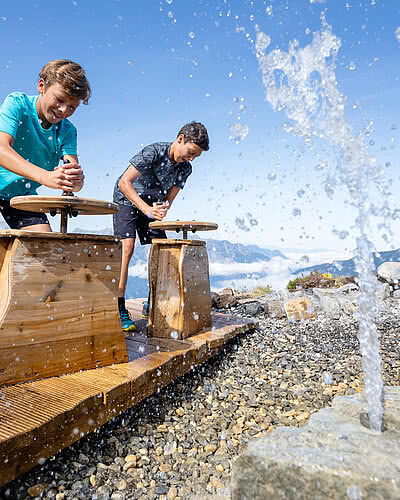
<point x="348" y="267"/>
<point x="236" y="264"/>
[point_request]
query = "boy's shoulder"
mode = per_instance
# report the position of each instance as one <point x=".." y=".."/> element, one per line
<point x="159" y="147"/>
<point x="19" y="99"/>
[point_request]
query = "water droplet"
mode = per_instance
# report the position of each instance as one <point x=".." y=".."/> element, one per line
<point x="271" y="176"/>
<point x="300" y="193"/>
<point x="296" y="212"/>
<point x="239" y="131"/>
<point x="108" y="268"/>
<point x="191" y="35"/>
<point x="59" y="250"/>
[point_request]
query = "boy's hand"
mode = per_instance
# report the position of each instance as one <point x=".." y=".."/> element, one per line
<point x="158" y="211"/>
<point x="68" y="177"/>
<point x="74" y="173"/>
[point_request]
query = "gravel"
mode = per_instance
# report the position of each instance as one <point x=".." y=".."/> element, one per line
<point x="180" y="443"/>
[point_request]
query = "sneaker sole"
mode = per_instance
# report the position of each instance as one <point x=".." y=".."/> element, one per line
<point x="131" y="328"/>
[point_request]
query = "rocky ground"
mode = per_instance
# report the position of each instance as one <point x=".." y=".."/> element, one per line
<point x="180" y="443"/>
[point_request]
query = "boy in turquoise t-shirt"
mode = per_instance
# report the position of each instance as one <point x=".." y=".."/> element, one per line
<point x="35" y="135"/>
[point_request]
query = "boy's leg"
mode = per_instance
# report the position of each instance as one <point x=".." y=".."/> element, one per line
<point x="41" y="228"/>
<point x="128" y="246"/>
<point x="146" y="236"/>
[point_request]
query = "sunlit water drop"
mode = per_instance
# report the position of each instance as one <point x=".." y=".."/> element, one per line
<point x="239" y="131"/>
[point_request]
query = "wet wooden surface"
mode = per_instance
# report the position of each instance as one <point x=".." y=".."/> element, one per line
<point x="39" y="418"/>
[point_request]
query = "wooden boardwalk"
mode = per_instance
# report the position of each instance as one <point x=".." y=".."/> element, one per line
<point x="39" y="418"/>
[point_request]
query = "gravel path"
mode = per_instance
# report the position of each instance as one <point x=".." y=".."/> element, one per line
<point x="180" y="443"/>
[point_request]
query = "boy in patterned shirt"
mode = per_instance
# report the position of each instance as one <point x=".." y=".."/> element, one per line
<point x="145" y="192"/>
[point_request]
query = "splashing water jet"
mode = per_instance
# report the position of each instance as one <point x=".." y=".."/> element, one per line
<point x="302" y="82"/>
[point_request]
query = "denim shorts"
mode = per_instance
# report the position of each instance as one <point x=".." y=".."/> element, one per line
<point x="18" y="219"/>
<point x="130" y="220"/>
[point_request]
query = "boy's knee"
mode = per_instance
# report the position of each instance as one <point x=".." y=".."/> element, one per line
<point x="128" y="246"/>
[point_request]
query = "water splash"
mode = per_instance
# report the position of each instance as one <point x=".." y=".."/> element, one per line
<point x="302" y="83"/>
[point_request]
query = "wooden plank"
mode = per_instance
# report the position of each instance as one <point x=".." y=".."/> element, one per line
<point x="180" y="299"/>
<point x="84" y="206"/>
<point x="32" y="414"/>
<point x="58" y="306"/>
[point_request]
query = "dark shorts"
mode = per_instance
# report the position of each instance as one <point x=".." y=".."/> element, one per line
<point x="130" y="220"/>
<point x="18" y="219"/>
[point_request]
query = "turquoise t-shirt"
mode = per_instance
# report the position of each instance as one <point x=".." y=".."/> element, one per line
<point x="40" y="146"/>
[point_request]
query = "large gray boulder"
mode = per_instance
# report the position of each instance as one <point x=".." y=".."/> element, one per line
<point x="332" y="457"/>
<point x="389" y="272"/>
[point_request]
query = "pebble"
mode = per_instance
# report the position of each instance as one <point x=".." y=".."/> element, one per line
<point x="179" y="444"/>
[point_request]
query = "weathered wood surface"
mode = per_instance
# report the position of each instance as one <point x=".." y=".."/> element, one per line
<point x="47" y="204"/>
<point x="180" y="225"/>
<point x="58" y="304"/>
<point x="180" y="298"/>
<point x="39" y="418"/>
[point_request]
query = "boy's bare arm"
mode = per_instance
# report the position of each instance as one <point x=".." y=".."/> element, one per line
<point x="172" y="194"/>
<point x="125" y="186"/>
<point x="11" y="160"/>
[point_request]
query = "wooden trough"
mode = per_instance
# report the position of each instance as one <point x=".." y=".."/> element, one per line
<point x="65" y="366"/>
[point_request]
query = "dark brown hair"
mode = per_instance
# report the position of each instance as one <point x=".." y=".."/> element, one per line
<point x="197" y="133"/>
<point x="70" y="75"/>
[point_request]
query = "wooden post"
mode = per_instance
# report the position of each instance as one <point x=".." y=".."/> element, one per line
<point x="180" y="298"/>
<point x="58" y="304"/>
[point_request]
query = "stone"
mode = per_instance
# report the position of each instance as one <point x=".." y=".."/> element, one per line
<point x="226" y="298"/>
<point x="389" y="272"/>
<point x="299" y="308"/>
<point x="275" y="309"/>
<point x="36" y="490"/>
<point x="383" y="291"/>
<point x="333" y="456"/>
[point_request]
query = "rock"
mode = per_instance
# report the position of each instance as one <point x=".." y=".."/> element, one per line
<point x="37" y="490"/>
<point x="275" y="309"/>
<point x="333" y="457"/>
<point x="252" y="308"/>
<point x="225" y="299"/>
<point x="389" y="272"/>
<point x="299" y="309"/>
<point x="383" y="291"/>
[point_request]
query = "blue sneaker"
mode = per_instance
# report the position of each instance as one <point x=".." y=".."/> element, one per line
<point x="126" y="322"/>
<point x="145" y="310"/>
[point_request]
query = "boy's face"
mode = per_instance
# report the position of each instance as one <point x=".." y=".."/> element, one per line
<point x="185" y="152"/>
<point x="54" y="104"/>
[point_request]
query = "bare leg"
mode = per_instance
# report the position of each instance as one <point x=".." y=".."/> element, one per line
<point x="40" y="228"/>
<point x="128" y="246"/>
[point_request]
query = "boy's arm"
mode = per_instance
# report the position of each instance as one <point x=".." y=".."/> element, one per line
<point x="171" y="195"/>
<point x="11" y="160"/>
<point x="125" y="186"/>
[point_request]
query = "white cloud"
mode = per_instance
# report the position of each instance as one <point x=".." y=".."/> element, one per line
<point x="139" y="270"/>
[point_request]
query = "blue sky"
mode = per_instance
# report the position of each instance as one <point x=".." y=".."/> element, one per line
<point x="154" y="66"/>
